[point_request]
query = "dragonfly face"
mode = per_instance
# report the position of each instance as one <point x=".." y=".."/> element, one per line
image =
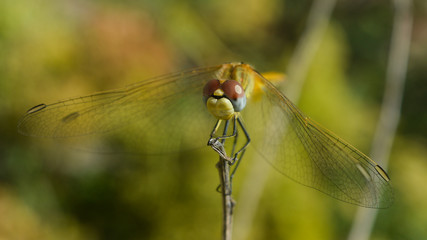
<point x="224" y="98"/>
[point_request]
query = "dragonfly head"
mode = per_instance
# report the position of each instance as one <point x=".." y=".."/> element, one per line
<point x="224" y="98"/>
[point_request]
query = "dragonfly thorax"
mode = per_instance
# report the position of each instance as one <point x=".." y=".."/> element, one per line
<point x="224" y="98"/>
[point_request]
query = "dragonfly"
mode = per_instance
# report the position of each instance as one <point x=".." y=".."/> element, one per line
<point x="172" y="111"/>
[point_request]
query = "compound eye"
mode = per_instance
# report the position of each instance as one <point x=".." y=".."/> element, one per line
<point x="211" y="87"/>
<point x="233" y="90"/>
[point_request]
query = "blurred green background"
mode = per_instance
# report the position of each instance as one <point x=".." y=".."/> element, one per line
<point x="54" y="50"/>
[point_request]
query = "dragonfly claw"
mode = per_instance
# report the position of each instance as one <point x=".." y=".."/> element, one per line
<point x="218" y="147"/>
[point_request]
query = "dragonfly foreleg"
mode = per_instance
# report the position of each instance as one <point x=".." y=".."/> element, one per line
<point x="224" y="135"/>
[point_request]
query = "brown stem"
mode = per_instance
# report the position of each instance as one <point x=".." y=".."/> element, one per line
<point x="227" y="201"/>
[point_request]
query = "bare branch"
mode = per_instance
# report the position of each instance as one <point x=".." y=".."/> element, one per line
<point x="227" y="201"/>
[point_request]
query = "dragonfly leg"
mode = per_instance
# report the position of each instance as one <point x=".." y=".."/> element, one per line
<point x="217" y="143"/>
<point x="218" y="146"/>
<point x="216" y="127"/>
<point x="218" y="188"/>
<point x="224" y="135"/>
<point x="237" y="161"/>
<point x="236" y="135"/>
<point x="248" y="140"/>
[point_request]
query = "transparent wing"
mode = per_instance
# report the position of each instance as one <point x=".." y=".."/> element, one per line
<point x="162" y="112"/>
<point x="311" y="155"/>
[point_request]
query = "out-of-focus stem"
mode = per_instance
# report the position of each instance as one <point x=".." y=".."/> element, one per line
<point x="317" y="23"/>
<point x="391" y="106"/>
